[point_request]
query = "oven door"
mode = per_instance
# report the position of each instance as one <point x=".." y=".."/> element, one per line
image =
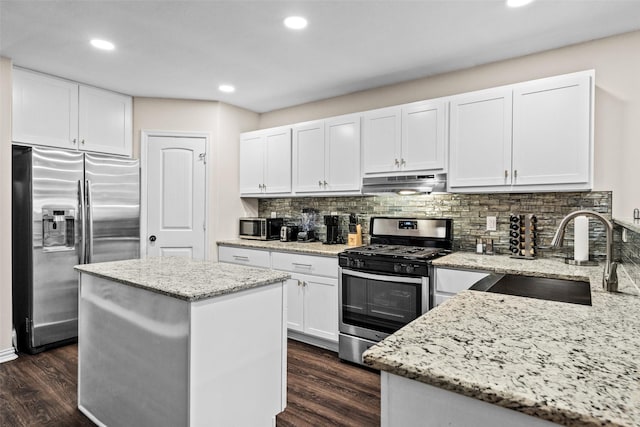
<point x="374" y="306"/>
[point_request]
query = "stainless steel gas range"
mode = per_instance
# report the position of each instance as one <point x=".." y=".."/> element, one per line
<point x="385" y="285"/>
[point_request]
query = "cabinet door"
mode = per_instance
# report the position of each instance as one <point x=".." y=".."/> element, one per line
<point x="295" y="304"/>
<point x="252" y="148"/>
<point x="552" y="140"/>
<point x="277" y="173"/>
<point x="105" y="121"/>
<point x="308" y="157"/>
<point x="480" y="139"/>
<point x="423" y="136"/>
<point x="381" y="140"/>
<point x="342" y="153"/>
<point x="321" y="307"/>
<point x="45" y="110"/>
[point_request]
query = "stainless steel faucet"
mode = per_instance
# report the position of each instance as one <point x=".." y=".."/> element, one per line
<point x="610" y="276"/>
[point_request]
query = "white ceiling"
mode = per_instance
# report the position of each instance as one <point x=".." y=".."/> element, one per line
<point x="185" y="49"/>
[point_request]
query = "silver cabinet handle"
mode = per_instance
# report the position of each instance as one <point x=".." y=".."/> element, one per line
<point x="264" y="187"/>
<point x="74" y="140"/>
<point x="506" y="173"/>
<point x="325" y="183"/>
<point x="305" y="266"/>
<point x="402" y="162"/>
<point x="396" y="162"/>
<point x="241" y="258"/>
<point x="319" y="183"/>
<point x="515" y="173"/>
<point x="82" y="142"/>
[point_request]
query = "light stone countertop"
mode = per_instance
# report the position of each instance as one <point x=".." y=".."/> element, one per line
<point x="183" y="278"/>
<point x="570" y="364"/>
<point x="630" y="223"/>
<point x="308" y="248"/>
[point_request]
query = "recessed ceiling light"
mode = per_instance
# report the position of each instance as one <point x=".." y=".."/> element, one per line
<point x="295" y="22"/>
<point x="226" y="88"/>
<point x="518" y="3"/>
<point x="102" y="44"/>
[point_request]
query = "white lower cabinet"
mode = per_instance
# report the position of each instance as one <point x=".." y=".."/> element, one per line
<point x="449" y="282"/>
<point x="312" y="290"/>
<point x="312" y="306"/>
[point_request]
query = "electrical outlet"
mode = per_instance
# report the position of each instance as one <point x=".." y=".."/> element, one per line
<point x="334" y="213"/>
<point x="274" y="215"/>
<point x="491" y="223"/>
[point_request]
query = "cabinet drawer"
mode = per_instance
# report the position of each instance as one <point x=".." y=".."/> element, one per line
<point x="454" y="281"/>
<point x="250" y="257"/>
<point x="305" y="264"/>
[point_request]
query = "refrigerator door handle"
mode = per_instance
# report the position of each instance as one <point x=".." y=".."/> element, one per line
<point x="89" y="234"/>
<point x="81" y="218"/>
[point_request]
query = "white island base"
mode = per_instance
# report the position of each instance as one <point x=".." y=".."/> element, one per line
<point x="148" y="359"/>
<point x="409" y="403"/>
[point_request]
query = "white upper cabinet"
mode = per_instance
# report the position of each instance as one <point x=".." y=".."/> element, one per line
<point x="326" y="155"/>
<point x="424" y="136"/>
<point x="382" y="140"/>
<point x="104" y="121"/>
<point x="480" y="139"/>
<point x="58" y="113"/>
<point x="308" y="157"/>
<point x="552" y="131"/>
<point x="265" y="162"/>
<point x="405" y="138"/>
<point x="45" y="110"/>
<point x="532" y="136"/>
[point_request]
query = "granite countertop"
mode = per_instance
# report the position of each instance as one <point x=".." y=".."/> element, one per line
<point x="184" y="278"/>
<point x="309" y="248"/>
<point x="629" y="223"/>
<point x="570" y="364"/>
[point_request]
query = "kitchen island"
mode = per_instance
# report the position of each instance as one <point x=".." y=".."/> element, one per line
<point x="176" y="342"/>
<point x="487" y="359"/>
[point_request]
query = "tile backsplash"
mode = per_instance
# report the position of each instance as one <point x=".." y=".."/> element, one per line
<point x="468" y="211"/>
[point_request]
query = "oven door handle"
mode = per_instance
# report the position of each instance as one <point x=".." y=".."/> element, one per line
<point x="397" y="279"/>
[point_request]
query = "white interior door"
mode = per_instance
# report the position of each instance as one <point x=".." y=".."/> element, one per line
<point x="175" y="202"/>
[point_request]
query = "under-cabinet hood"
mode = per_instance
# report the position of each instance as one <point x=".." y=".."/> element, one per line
<point x="405" y="184"/>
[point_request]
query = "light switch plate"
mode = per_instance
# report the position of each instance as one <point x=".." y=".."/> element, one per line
<point x="274" y="215"/>
<point x="491" y="223"/>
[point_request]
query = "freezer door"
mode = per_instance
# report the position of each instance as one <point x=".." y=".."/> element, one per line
<point x="112" y="186"/>
<point x="55" y="244"/>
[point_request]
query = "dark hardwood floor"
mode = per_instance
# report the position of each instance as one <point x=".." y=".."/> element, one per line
<point x="40" y="390"/>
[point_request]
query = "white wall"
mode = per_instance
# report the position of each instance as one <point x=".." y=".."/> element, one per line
<point x="222" y="123"/>
<point x="5" y="206"/>
<point x="617" y="114"/>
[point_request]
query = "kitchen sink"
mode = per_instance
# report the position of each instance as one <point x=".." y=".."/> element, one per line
<point x="561" y="290"/>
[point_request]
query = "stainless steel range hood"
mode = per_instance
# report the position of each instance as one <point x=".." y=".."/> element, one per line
<point x="405" y="184"/>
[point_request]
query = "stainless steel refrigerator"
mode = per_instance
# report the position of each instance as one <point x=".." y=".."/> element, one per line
<point x="68" y="208"/>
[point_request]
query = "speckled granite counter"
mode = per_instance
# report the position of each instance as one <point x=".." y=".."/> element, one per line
<point x="310" y="248"/>
<point x="571" y="364"/>
<point x="630" y="223"/>
<point x="184" y="278"/>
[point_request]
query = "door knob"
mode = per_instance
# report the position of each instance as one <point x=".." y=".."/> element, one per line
<point x="152" y="238"/>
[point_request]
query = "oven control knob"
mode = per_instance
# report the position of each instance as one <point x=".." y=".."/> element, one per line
<point x="410" y="269"/>
<point x="397" y="268"/>
<point x="350" y="262"/>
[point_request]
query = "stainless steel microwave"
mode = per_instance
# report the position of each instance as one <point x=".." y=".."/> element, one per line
<point x="260" y="228"/>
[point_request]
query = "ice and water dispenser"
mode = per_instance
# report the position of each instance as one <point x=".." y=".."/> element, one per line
<point x="58" y="229"/>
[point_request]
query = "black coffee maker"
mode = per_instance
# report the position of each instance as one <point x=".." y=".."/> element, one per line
<point x="333" y="232"/>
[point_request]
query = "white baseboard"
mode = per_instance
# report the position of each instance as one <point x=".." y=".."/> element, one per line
<point x="7" y="355"/>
